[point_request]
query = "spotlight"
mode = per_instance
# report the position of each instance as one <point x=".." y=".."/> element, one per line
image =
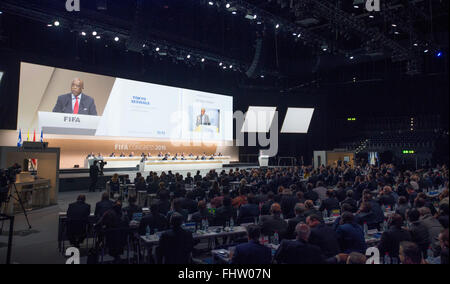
<point x="56" y="23"/>
<point x="396" y="33"/>
<point x="94" y="33"/>
<point x="224" y="67"/>
<point x="371" y="16"/>
<point x="157" y="49"/>
<point x="220" y="64"/>
<point x="425" y="51"/>
<point x="439" y="54"/>
<point x="189" y="56"/>
<point x="116" y="38"/>
<point x="394" y="25"/>
<point x="294" y="34"/>
<point x="254" y="17"/>
<point x="144" y="45"/>
<point x="231" y="66"/>
<point x="98" y="37"/>
<point x="356" y="6"/>
<point x="262" y="76"/>
<point x="277" y="26"/>
<point x="210" y="3"/>
<point x="234" y="12"/>
<point x="203" y="60"/>
<point x="351" y="57"/>
<point x="83" y="33"/>
<point x="228" y="5"/>
<point x="299" y="35"/>
<point x="49" y="25"/>
<point x="416" y="44"/>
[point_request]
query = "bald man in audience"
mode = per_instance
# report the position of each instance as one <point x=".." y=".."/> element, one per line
<point x="76" y="102"/>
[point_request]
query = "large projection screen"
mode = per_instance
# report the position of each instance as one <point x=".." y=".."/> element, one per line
<point x="258" y="119"/>
<point x="116" y="107"/>
<point x="297" y="120"/>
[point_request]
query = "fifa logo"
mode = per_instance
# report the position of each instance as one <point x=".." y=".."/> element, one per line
<point x="373" y="5"/>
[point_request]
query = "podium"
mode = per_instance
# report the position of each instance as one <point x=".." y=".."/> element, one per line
<point x="45" y="189"/>
<point x="263" y="160"/>
<point x="68" y="124"/>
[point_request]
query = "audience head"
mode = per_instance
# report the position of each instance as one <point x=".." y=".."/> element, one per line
<point x="424" y="211"/>
<point x="349" y="194"/>
<point x="309" y="204"/>
<point x="105" y="196"/>
<point x="81" y="198"/>
<point x="402" y="200"/>
<point x="299" y="209"/>
<point x="443" y="239"/>
<point x="313" y="221"/>
<point x="303" y="232"/>
<point x="396" y="221"/>
<point x="275" y="209"/>
<point x="410" y="253"/>
<point x="176" y="220"/>
<point x="254" y="232"/>
<point x="347" y="218"/>
<point x="201" y="205"/>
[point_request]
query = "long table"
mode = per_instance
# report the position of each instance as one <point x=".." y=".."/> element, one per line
<point x="157" y="163"/>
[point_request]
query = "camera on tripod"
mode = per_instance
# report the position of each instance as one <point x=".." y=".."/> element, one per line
<point x="101" y="165"/>
<point x="7" y="177"/>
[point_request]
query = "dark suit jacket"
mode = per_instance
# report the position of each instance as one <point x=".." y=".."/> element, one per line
<point x="175" y="246"/>
<point x="64" y="105"/>
<point x="270" y="225"/>
<point x="158" y="222"/>
<point x="390" y="241"/>
<point x="292" y="223"/>
<point x="79" y="211"/>
<point x="299" y="252"/>
<point x="252" y="253"/>
<point x="101" y="208"/>
<point x="325" y="237"/>
<point x="248" y="213"/>
<point x="223" y="215"/>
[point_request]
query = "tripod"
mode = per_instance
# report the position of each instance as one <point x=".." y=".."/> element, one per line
<point x="19" y="200"/>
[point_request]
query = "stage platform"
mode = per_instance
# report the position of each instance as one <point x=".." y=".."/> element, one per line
<point x="76" y="179"/>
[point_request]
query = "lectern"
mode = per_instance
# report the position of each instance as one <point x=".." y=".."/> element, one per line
<point x="47" y="171"/>
<point x="263" y="160"/>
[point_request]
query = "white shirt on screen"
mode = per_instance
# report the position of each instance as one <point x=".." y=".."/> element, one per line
<point x="74" y="100"/>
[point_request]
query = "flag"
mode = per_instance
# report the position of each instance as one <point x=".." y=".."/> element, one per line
<point x="42" y="136"/>
<point x="28" y="135"/>
<point x="19" y="141"/>
<point x="34" y="136"/>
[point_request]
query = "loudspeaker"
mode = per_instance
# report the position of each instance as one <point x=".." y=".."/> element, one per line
<point x="251" y="72"/>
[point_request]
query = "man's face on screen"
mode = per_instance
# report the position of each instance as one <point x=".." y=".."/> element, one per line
<point x="77" y="87"/>
<point x="203" y="111"/>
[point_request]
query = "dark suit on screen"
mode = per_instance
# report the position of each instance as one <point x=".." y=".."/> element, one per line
<point x="64" y="105"/>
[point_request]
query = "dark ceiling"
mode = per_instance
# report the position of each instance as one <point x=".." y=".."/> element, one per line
<point x="303" y="41"/>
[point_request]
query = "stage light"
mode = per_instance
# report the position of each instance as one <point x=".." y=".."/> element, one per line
<point x="416" y="44"/>
<point x="324" y="49"/>
<point x="262" y="76"/>
<point x="144" y="45"/>
<point x="224" y="67"/>
<point x="94" y="33"/>
<point x="294" y="34"/>
<point x="210" y="3"/>
<point x="351" y="57"/>
<point x="439" y="54"/>
<point x="49" y="25"/>
<point x="203" y="60"/>
<point x="254" y="17"/>
<point x="396" y="33"/>
<point x="371" y="16"/>
<point x="83" y="33"/>
<point x="299" y="35"/>
<point x="1" y="12"/>
<point x="425" y="51"/>
<point x="394" y="25"/>
<point x="356" y="6"/>
<point x="116" y="38"/>
<point x="98" y="37"/>
<point x="228" y="5"/>
<point x="220" y="64"/>
<point x="231" y="66"/>
<point x="157" y="49"/>
<point x="189" y="56"/>
<point x="56" y="23"/>
<point x="277" y="26"/>
<point x="234" y="12"/>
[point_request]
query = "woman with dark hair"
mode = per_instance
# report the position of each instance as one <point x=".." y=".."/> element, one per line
<point x="350" y="235"/>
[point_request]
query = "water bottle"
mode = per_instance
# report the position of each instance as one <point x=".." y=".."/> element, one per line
<point x="231" y="223"/>
<point x="387" y="259"/>
<point x="325" y="214"/>
<point x="385" y="225"/>
<point x="147" y="231"/>
<point x="366" y="229"/>
<point x="256" y="220"/>
<point x="276" y="239"/>
<point x="206" y="224"/>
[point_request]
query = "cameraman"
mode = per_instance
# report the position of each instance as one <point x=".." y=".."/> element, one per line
<point x="93" y="175"/>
